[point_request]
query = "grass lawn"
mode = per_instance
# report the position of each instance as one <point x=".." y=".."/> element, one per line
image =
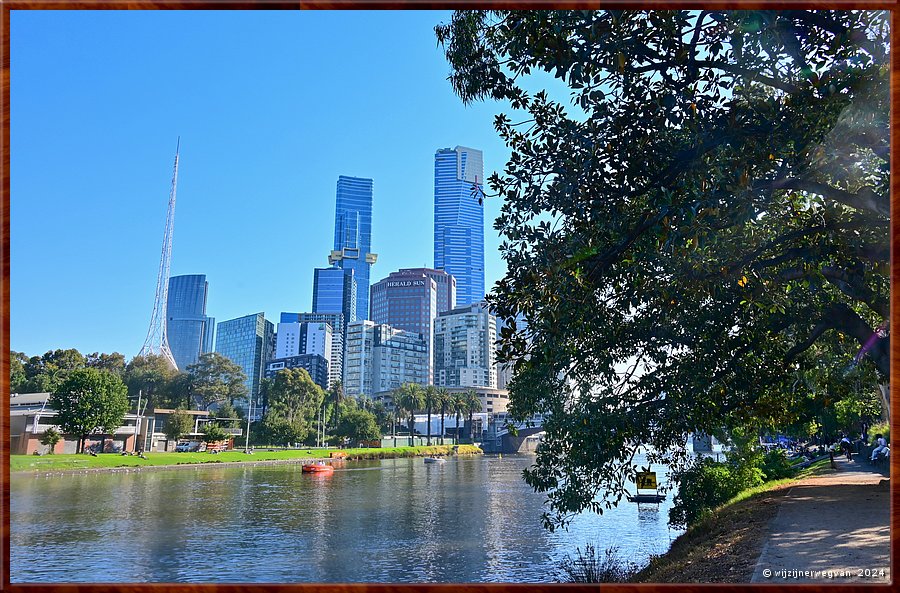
<point x="33" y="463"/>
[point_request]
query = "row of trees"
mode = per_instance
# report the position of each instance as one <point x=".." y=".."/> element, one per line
<point x="410" y="399"/>
<point x="214" y="379"/>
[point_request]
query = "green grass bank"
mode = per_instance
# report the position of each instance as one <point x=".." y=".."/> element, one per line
<point x="69" y="463"/>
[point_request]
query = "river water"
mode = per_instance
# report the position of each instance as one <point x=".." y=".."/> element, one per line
<point x="397" y="520"/>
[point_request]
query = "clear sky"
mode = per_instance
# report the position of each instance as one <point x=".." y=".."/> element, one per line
<point x="270" y="106"/>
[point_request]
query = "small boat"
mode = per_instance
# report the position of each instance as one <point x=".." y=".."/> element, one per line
<point x="317" y="468"/>
<point x="435" y="460"/>
<point x="657" y="498"/>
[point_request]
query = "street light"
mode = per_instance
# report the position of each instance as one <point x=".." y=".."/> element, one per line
<point x="249" y="416"/>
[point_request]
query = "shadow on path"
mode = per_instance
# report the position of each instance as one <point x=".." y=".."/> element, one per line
<point x="833" y="528"/>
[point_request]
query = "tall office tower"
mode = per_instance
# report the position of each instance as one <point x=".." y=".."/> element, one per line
<point x="353" y="236"/>
<point x="381" y="358"/>
<point x="294" y="339"/>
<point x="335" y="291"/>
<point x="249" y="342"/>
<point x="459" y="220"/>
<point x="336" y="321"/>
<point x="209" y="344"/>
<point x="410" y="299"/>
<point x="464" y="342"/>
<point x="188" y="329"/>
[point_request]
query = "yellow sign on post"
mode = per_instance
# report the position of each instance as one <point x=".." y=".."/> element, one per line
<point x="646" y="481"/>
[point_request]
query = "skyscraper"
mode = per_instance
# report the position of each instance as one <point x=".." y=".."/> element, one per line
<point x="339" y="330"/>
<point x="410" y="299"/>
<point x="249" y="342"/>
<point x="188" y="329"/>
<point x="335" y="291"/>
<point x="353" y="235"/>
<point x="459" y="220"/>
<point x="464" y="342"/>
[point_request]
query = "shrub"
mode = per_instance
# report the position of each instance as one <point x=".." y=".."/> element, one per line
<point x="775" y="466"/>
<point x="590" y="567"/>
<point x="708" y="484"/>
<point x="882" y="428"/>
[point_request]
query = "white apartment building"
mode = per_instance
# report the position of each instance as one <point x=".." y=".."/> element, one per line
<point x="464" y="342"/>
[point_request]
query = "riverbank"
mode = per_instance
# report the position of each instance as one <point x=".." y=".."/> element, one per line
<point x="113" y="462"/>
<point x="734" y="542"/>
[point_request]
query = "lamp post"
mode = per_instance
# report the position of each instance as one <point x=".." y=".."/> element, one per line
<point x="249" y="417"/>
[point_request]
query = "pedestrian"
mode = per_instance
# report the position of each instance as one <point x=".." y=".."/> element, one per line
<point x="881" y="445"/>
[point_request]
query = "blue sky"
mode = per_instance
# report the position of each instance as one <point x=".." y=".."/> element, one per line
<point x="270" y="106"/>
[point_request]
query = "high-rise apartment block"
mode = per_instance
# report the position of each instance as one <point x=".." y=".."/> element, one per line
<point x="314" y="364"/>
<point x="459" y="220"/>
<point x="336" y="322"/>
<point x="464" y="343"/>
<point x="353" y="236"/>
<point x="381" y="358"/>
<point x="188" y="330"/>
<point x="410" y="299"/>
<point x="249" y="342"/>
<point x="293" y="339"/>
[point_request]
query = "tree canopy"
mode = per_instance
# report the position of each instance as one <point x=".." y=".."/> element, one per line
<point x="690" y="234"/>
<point x="89" y="400"/>
<point x="216" y="379"/>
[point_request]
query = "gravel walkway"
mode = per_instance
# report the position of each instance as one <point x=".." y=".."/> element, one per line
<point x="833" y="528"/>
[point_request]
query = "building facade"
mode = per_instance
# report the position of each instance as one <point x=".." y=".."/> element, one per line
<point x="335" y="291"/>
<point x="249" y="342"/>
<point x="314" y="364"/>
<point x="293" y="339"/>
<point x="464" y="348"/>
<point x="410" y="299"/>
<point x="336" y="321"/>
<point x="353" y="236"/>
<point x="459" y="220"/>
<point x="188" y="330"/>
<point x="381" y="358"/>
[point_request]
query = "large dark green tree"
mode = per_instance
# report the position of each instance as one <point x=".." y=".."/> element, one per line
<point x="694" y="228"/>
<point x="358" y="425"/>
<point x="89" y="401"/>
<point x="216" y="379"/>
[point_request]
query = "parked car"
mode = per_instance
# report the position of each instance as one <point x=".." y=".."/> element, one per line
<point x="188" y="446"/>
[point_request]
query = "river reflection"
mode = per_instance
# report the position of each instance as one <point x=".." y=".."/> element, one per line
<point x="399" y="520"/>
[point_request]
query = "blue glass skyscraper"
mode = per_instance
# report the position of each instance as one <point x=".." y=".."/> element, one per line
<point x="188" y="330"/>
<point x="459" y="220"/>
<point x="249" y="342"/>
<point x="335" y="291"/>
<point x="353" y="235"/>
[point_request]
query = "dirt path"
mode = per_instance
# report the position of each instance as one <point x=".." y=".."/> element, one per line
<point x="833" y="528"/>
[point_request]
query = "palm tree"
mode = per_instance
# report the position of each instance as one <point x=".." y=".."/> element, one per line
<point x="431" y="397"/>
<point x="410" y="398"/>
<point x="457" y="407"/>
<point x="472" y="404"/>
<point x="443" y="403"/>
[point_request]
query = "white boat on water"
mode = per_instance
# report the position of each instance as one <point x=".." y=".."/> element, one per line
<point x="435" y="460"/>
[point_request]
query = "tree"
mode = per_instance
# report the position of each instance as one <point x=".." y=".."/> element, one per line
<point x="213" y="433"/>
<point x="471" y="404"/>
<point x="358" y="425"/>
<point x="149" y="376"/>
<point x="706" y="217"/>
<point x="456" y="406"/>
<point x="50" y="438"/>
<point x="45" y="373"/>
<point x="178" y="424"/>
<point x="431" y="401"/>
<point x="409" y="398"/>
<point x="294" y="396"/>
<point x="114" y="363"/>
<point x="217" y="380"/>
<point x="88" y="401"/>
<point x="17" y="377"/>
<point x="444" y="400"/>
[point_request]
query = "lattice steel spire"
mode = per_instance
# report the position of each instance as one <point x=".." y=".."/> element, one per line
<point x="157" y="342"/>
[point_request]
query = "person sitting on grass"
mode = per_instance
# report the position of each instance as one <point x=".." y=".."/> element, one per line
<point x="881" y="446"/>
